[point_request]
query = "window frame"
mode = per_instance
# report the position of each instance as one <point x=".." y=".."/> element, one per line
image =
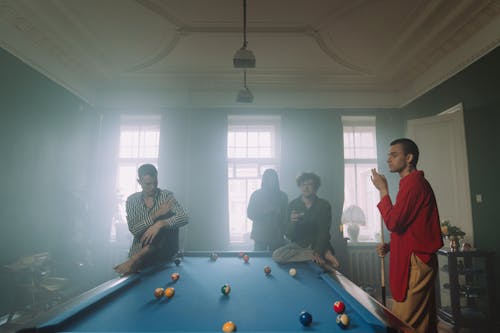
<point x="370" y="230"/>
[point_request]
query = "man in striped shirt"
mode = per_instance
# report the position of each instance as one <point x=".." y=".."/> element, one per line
<point x="154" y="217"/>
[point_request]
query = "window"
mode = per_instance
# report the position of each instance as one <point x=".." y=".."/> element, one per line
<point x="252" y="147"/>
<point x="139" y="144"/>
<point x="360" y="196"/>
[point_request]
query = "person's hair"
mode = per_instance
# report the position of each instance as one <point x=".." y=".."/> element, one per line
<point x="409" y="147"/>
<point x="270" y="181"/>
<point x="147" y="170"/>
<point x="309" y="176"/>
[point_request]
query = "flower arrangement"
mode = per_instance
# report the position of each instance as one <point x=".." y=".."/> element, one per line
<point x="451" y="231"/>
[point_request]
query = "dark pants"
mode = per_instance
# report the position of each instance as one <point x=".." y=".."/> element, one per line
<point x="164" y="247"/>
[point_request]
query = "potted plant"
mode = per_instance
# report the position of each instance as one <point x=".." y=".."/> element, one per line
<point x="453" y="233"/>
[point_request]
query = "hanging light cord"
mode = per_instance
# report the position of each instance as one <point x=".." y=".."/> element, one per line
<point x="245" y="24"/>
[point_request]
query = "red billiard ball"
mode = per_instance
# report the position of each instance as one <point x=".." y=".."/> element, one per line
<point x="175" y="276"/>
<point x="169" y="292"/>
<point x="229" y="326"/>
<point x="158" y="292"/>
<point x="267" y="270"/>
<point x="339" y="307"/>
<point x="246" y="258"/>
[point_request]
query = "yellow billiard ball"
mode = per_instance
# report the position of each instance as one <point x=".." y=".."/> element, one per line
<point x="292" y="272"/>
<point x="169" y="292"/>
<point x="229" y="326"/>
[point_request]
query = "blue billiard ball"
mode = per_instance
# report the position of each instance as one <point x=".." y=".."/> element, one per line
<point x="305" y="318"/>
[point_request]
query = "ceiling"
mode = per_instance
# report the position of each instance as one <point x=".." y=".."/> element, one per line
<point x="309" y="53"/>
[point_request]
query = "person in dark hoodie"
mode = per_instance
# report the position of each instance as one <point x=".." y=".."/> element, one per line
<point x="267" y="209"/>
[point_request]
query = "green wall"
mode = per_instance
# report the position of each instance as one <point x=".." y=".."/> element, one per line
<point x="46" y="139"/>
<point x="477" y="88"/>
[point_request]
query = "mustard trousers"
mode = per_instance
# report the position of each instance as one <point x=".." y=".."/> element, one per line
<point x="419" y="307"/>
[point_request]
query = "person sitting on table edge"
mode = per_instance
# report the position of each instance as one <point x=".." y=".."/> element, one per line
<point x="308" y="227"/>
<point x="154" y="217"/>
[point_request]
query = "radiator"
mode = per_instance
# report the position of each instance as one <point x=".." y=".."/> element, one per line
<point x="364" y="268"/>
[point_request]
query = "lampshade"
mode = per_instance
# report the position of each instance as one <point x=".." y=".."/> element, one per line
<point x="244" y="96"/>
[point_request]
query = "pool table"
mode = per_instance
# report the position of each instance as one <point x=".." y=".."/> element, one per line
<point x="258" y="302"/>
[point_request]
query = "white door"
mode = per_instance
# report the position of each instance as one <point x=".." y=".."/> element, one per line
<point x="443" y="158"/>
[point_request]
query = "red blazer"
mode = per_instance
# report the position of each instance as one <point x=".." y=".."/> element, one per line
<point x="415" y="228"/>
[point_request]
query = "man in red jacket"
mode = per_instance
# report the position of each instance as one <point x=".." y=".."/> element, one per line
<point x="413" y="222"/>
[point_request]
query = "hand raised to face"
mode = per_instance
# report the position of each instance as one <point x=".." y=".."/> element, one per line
<point x="379" y="180"/>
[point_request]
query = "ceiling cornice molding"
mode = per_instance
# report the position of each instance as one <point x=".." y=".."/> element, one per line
<point x="467" y="53"/>
<point x="459" y="32"/>
<point x="183" y="29"/>
<point x="20" y="35"/>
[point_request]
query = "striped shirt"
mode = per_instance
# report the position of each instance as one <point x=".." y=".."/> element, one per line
<point x="139" y="215"/>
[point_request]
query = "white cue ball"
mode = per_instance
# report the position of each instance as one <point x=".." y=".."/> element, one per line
<point x="292" y="272"/>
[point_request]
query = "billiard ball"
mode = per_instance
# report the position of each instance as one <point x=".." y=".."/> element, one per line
<point x="339" y="307"/>
<point x="213" y="256"/>
<point x="246" y="258"/>
<point x="169" y="292"/>
<point x="292" y="272"/>
<point x="229" y="326"/>
<point x="342" y="320"/>
<point x="175" y="276"/>
<point x="305" y="318"/>
<point x="225" y="289"/>
<point x="158" y="292"/>
<point x="177" y="262"/>
<point x="267" y="270"/>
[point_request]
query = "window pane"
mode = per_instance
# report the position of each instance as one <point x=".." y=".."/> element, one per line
<point x="265" y="139"/>
<point x="247" y="171"/>
<point x="240" y="152"/>
<point x="129" y="144"/>
<point x="253" y="152"/>
<point x="265" y="152"/>
<point x="253" y="139"/>
<point x="241" y="139"/>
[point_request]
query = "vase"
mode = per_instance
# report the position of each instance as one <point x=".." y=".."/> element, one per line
<point x="454" y="243"/>
<point x="353" y="232"/>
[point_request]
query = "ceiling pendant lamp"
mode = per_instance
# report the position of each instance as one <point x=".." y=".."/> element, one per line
<point x="244" y="94"/>
<point x="244" y="58"/>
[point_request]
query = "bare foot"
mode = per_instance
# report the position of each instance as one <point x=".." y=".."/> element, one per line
<point x="332" y="260"/>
